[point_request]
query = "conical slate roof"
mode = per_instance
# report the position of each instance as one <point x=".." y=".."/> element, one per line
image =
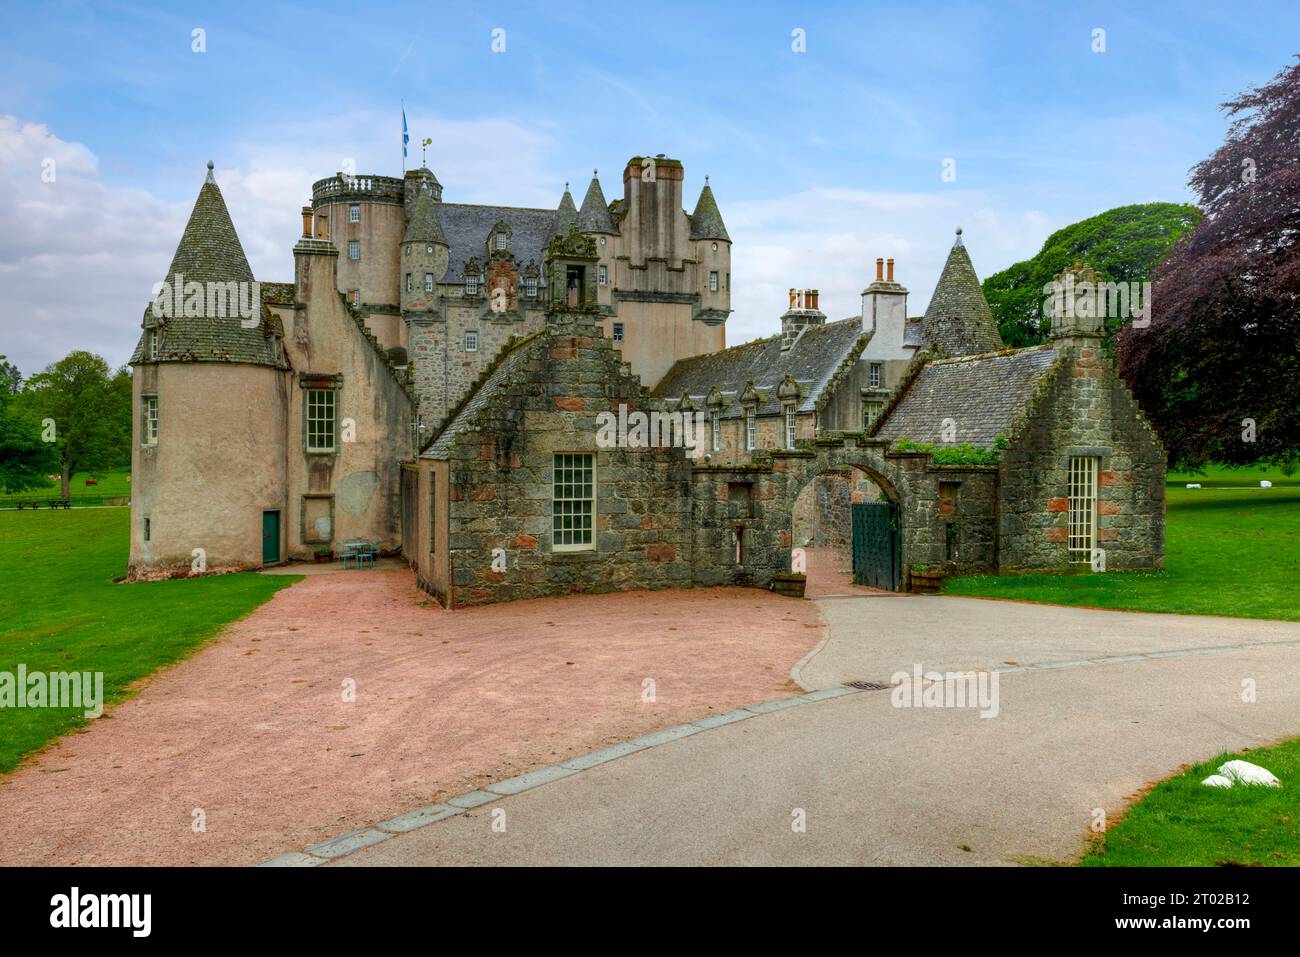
<point x="424" y="226"/>
<point x="210" y="254"/>
<point x="594" y="216"/>
<point x="958" y="321"/>
<point x="706" y="221"/>
<point x="566" y="215"/>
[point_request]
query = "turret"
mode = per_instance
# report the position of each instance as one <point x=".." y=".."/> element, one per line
<point x="958" y="321"/>
<point x="713" y="252"/>
<point x="425" y="255"/>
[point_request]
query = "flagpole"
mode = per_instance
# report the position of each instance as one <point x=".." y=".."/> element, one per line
<point x="404" y="136"/>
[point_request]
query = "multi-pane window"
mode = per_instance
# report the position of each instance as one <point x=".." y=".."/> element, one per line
<point x="1083" y="507"/>
<point x="471" y="285"/>
<point x="501" y="240"/>
<point x="152" y="346"/>
<point x="354" y="249"/>
<point x="790" y="427"/>
<point x="751" y="430"/>
<point x="573" y="502"/>
<point x="471" y="341"/>
<point x="870" y="412"/>
<point x="149" y="425"/>
<point x="717" y="432"/>
<point x="873" y="374"/>
<point x="530" y="288"/>
<point x="320" y="420"/>
<point x="602" y="275"/>
<point x="618" y="332"/>
<point x="428" y="282"/>
<point x="410" y="283"/>
<point x="356" y="297"/>
<point x="354" y="214"/>
<point x="713" y="282"/>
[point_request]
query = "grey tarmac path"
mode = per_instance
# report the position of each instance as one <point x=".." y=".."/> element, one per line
<point x="884" y="785"/>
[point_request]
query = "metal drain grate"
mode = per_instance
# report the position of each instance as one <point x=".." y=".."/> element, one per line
<point x="867" y="685"/>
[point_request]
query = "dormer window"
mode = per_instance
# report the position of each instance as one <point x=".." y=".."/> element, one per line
<point x="354" y="214"/>
<point x="873" y="374"/>
<point x="530" y="288"/>
<point x="151" y="344"/>
<point x="471" y="285"/>
<point x="500" y="241"/>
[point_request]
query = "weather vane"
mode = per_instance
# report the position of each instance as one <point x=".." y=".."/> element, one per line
<point x="424" y="144"/>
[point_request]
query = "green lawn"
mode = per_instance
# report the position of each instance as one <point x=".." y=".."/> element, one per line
<point x="1228" y="551"/>
<point x="1182" y="823"/>
<point x="60" y="610"/>
<point x="115" y="483"/>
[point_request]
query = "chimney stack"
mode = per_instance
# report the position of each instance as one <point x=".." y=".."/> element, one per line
<point x="306" y="222"/>
<point x="890" y="265"/>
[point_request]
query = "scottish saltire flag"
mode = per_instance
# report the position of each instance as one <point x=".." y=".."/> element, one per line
<point x="406" y="137"/>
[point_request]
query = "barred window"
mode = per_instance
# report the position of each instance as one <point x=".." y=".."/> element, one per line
<point x="354" y="249"/>
<point x="149" y="425"/>
<point x="751" y="430"/>
<point x="574" y="502"/>
<point x="320" y="420"/>
<point x="1083" y="507"/>
<point x="790" y="427"/>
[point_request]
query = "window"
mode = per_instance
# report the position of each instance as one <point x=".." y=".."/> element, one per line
<point x="618" y="332"/>
<point x="410" y="283"/>
<point x="501" y="241"/>
<point x="1083" y="507"/>
<point x="356" y="297"/>
<point x="354" y="214"/>
<point x="751" y="430"/>
<point x="873" y="374"/>
<point x="574" y="502"/>
<point x="428" y="282"/>
<point x="151" y="344"/>
<point x="147" y="528"/>
<point x="715" y="247"/>
<point x="429" y="248"/>
<point x="602" y="275"/>
<point x="602" y="240"/>
<point x="870" y="412"/>
<point x="728" y="282"/>
<point x="471" y="341"/>
<point x="790" y="427"/>
<point x="471" y="285"/>
<point x="713" y="282"/>
<point x="149" y="426"/>
<point x="530" y="288"/>
<point x="717" y="432"/>
<point x="320" y="420"/>
<point x="354" y="249"/>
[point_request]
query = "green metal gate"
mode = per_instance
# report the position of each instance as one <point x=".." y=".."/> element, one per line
<point x="877" y="552"/>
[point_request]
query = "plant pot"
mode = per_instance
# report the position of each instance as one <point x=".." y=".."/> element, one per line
<point x="789" y="584"/>
<point x="928" y="581"/>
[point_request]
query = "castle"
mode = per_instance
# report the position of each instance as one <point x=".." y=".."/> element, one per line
<point x="432" y="379"/>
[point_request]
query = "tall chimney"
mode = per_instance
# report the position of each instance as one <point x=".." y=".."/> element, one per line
<point x="792" y="297"/>
<point x="306" y="222"/>
<point x="890" y="266"/>
<point x="880" y="268"/>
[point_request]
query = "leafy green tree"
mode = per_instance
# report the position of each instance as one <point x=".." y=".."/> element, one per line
<point x="25" y="460"/>
<point x="1122" y="244"/>
<point x="1216" y="371"/>
<point x="91" y="410"/>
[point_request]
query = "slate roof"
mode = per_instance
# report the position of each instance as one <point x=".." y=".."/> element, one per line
<point x="467" y="228"/>
<point x="958" y="321"/>
<point x="424" y="226"/>
<point x="566" y="215"/>
<point x="813" y="360"/>
<point x="594" y="217"/>
<point x="512" y="359"/>
<point x="706" y="221"/>
<point x="983" y="395"/>
<point x="209" y="251"/>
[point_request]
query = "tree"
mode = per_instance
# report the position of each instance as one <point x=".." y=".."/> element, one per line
<point x="1122" y="244"/>
<point x="25" y="460"/>
<point x="91" y="411"/>
<point x="1217" y="368"/>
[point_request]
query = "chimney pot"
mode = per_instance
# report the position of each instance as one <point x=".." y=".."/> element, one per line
<point x="880" y="268"/>
<point x="890" y="265"/>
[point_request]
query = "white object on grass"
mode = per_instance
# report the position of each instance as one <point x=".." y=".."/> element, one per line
<point x="1243" y="772"/>
<point x="1218" y="781"/>
<point x="1265" y="483"/>
<point x="1193" y="484"/>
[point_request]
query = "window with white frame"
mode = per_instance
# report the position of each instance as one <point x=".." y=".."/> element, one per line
<point x="471" y="285"/>
<point x="618" y="332"/>
<point x="713" y="282"/>
<point x="717" y="432"/>
<point x="471" y="341"/>
<point x="354" y="249"/>
<point x="501" y="240"/>
<point x="320" y="420"/>
<point x="751" y="430"/>
<point x="151" y="344"/>
<point x="873" y="374"/>
<point x="354" y="214"/>
<point x="149" y="423"/>
<point x="791" y="427"/>
<point x="573" y="504"/>
<point x="530" y="288"/>
<point x="428" y="282"/>
<point x="1083" y="507"/>
<point x="870" y="412"/>
<point x="602" y="275"/>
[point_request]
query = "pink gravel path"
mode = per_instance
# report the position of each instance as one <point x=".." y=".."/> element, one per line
<point x="253" y="729"/>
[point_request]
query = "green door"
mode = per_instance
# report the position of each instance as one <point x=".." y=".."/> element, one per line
<point x="876" y="551"/>
<point x="270" y="538"/>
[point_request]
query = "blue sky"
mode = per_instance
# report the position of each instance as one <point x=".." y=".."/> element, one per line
<point x="821" y="160"/>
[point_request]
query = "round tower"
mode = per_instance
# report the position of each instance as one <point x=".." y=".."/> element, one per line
<point x="425" y="253"/>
